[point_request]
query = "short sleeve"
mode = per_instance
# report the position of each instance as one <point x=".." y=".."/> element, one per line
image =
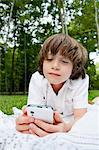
<point x="80" y="98"/>
<point x="35" y="89"/>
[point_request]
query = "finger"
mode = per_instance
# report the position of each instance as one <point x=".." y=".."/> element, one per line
<point x="57" y="117"/>
<point x="31" y="132"/>
<point x="26" y="132"/>
<point x="24" y="109"/>
<point x="47" y="127"/>
<point x="24" y="120"/>
<point x="35" y="129"/>
<point x="22" y="128"/>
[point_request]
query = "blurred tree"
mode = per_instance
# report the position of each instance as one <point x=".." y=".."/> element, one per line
<point x="26" y="24"/>
<point x="83" y="28"/>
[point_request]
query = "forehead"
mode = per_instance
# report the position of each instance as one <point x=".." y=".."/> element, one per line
<point x="57" y="55"/>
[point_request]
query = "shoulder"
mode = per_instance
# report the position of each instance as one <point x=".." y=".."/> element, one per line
<point x="79" y="82"/>
<point x="36" y="78"/>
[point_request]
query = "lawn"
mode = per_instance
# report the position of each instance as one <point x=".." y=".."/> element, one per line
<point x="93" y="94"/>
<point x="7" y="101"/>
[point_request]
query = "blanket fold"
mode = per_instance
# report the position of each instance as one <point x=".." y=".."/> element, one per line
<point x="84" y="135"/>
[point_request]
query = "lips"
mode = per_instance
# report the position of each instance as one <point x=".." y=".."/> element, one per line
<point x="54" y="74"/>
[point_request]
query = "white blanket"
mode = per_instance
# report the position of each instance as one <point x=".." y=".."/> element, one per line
<point x="83" y="136"/>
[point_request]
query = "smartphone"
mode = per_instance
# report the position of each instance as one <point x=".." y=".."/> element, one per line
<point x="42" y="112"/>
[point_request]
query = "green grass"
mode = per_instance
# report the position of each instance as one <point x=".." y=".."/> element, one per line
<point x="93" y="94"/>
<point x="7" y="101"/>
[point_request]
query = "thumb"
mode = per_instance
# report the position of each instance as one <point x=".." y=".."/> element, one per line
<point x="24" y="110"/>
<point x="57" y="117"/>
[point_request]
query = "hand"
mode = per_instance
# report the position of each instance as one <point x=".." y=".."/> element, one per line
<point x="41" y="128"/>
<point x="23" y="121"/>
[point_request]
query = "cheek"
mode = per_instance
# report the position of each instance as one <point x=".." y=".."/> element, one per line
<point x="68" y="70"/>
<point x="45" y="66"/>
<point x="67" y="74"/>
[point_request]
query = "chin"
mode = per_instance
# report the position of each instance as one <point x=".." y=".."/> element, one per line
<point x="54" y="82"/>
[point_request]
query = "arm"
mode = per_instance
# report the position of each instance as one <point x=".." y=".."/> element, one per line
<point x="35" y="89"/>
<point x="80" y="100"/>
<point x="78" y="113"/>
<point x="34" y="97"/>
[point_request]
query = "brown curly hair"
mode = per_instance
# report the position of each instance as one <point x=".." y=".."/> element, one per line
<point x="69" y="48"/>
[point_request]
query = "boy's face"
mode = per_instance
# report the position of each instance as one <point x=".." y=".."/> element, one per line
<point x="57" y="69"/>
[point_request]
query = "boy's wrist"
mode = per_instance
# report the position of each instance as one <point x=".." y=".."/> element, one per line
<point x="68" y="126"/>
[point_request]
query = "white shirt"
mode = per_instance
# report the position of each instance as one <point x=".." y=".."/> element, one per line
<point x="73" y="94"/>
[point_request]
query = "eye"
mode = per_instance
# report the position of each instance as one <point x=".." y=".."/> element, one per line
<point x="65" y="61"/>
<point x="49" y="59"/>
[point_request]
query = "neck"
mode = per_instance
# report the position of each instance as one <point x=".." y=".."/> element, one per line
<point x="57" y="87"/>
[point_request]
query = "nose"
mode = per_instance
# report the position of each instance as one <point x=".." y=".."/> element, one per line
<point x="55" y="65"/>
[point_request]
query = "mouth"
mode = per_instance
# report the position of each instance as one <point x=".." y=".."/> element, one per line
<point x="54" y="74"/>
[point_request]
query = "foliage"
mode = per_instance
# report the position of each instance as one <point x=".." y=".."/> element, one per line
<point x="96" y="82"/>
<point x="83" y="28"/>
<point x="97" y="68"/>
<point x="25" y="26"/>
<point x="91" y="71"/>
